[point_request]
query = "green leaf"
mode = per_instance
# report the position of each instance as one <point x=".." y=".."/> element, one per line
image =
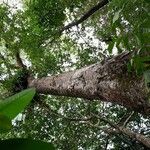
<point x="116" y="16"/>
<point x="5" y="124"/>
<point x="13" y="105"/>
<point x="25" y="144"/>
<point x="146" y="1"/>
<point x="110" y="47"/>
<point x="126" y="42"/>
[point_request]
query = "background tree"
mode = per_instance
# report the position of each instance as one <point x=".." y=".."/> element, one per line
<point x="49" y="37"/>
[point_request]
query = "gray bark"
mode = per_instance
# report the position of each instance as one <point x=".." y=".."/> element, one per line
<point x="107" y="81"/>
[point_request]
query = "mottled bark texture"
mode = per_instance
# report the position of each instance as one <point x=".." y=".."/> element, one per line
<point x="107" y="81"/>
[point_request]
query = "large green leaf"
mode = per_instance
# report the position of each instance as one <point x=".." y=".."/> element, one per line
<point x="5" y="124"/>
<point x="25" y="144"/>
<point x="13" y="105"/>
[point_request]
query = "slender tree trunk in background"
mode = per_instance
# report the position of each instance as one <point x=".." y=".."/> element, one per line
<point x="107" y="81"/>
<point x="139" y="137"/>
<point x="117" y="130"/>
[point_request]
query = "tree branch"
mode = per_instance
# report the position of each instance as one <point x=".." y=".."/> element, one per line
<point x="136" y="136"/>
<point x="19" y="61"/>
<point x="47" y="108"/>
<point x="125" y="119"/>
<point x="86" y="15"/>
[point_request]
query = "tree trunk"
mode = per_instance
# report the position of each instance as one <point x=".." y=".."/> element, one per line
<point x="107" y="81"/>
<point x="139" y="137"/>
